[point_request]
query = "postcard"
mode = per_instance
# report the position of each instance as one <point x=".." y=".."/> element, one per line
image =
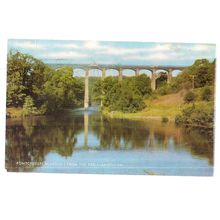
<point x="105" y="107"/>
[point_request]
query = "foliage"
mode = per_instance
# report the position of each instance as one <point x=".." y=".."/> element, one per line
<point x="161" y="80"/>
<point x="62" y="90"/>
<point x="204" y="74"/>
<point x="14" y="112"/>
<point x="29" y="107"/>
<point x="190" y="97"/>
<point x="165" y="119"/>
<point x="142" y="84"/>
<point x="31" y="83"/>
<point x="126" y="96"/>
<point x="207" y="94"/>
<point x="24" y="78"/>
<point x="92" y="81"/>
<point x="15" y="90"/>
<point x="200" y="115"/>
<point x="164" y="89"/>
<point x="179" y="119"/>
<point x="200" y="74"/>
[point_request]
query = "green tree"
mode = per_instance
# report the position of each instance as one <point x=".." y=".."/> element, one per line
<point x="199" y="115"/>
<point x="62" y="90"/>
<point x="190" y="97"/>
<point x="25" y="77"/>
<point x="203" y="72"/>
<point x="200" y="74"/>
<point x="207" y="94"/>
<point x="142" y="84"/>
<point x="29" y="107"/>
<point x="162" y="80"/>
<point x="15" y="90"/>
<point x="126" y="96"/>
<point x="50" y="90"/>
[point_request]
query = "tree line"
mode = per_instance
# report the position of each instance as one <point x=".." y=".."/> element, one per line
<point x="199" y="80"/>
<point x="200" y="74"/>
<point x="127" y="95"/>
<point x="39" y="89"/>
<point x="36" y="88"/>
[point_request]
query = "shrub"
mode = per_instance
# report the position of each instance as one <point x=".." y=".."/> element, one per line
<point x="163" y="90"/>
<point x="200" y="115"/>
<point x="179" y="119"/>
<point x="29" y="107"/>
<point x="125" y="96"/>
<point x="207" y="94"/>
<point x="190" y="97"/>
<point x="165" y="119"/>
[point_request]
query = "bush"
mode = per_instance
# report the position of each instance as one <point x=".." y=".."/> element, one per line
<point x="163" y="90"/>
<point x="29" y="107"/>
<point x="179" y="119"/>
<point x="207" y="94"/>
<point x="165" y="119"/>
<point x="190" y="97"/>
<point x="125" y="96"/>
<point x="200" y="115"/>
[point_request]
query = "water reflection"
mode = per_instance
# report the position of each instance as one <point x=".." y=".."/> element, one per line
<point x="77" y="136"/>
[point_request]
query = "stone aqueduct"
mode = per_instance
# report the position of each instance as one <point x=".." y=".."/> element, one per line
<point x="136" y="68"/>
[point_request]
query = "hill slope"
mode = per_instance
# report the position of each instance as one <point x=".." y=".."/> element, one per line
<point x="163" y="106"/>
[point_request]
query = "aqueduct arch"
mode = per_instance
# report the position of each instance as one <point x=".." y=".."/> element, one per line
<point x="120" y="68"/>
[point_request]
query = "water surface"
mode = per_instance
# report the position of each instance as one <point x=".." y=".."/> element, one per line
<point x="80" y="141"/>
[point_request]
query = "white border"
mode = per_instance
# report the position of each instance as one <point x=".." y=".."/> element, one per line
<point x="62" y="196"/>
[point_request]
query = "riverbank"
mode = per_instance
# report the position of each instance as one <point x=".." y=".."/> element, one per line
<point x="18" y="112"/>
<point x="167" y="106"/>
<point x="13" y="112"/>
<point x="172" y="108"/>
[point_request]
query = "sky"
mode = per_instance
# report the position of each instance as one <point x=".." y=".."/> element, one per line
<point x="109" y="52"/>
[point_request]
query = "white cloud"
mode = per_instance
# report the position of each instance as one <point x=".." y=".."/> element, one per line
<point x="65" y="55"/>
<point x="96" y="49"/>
<point x="202" y="47"/>
<point x="122" y="51"/>
<point x="93" y="45"/>
<point x="153" y="56"/>
<point x="157" y="52"/>
<point x="110" y="50"/>
<point x="27" y="45"/>
<point x="162" y="47"/>
<point x="67" y="46"/>
<point x="159" y="56"/>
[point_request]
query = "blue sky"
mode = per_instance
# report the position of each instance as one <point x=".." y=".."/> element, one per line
<point x="107" y="52"/>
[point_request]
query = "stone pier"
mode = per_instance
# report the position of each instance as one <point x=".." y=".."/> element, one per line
<point x="120" y="74"/>
<point x="137" y="72"/>
<point x="86" y="94"/>
<point x="153" y="79"/>
<point x="169" y="75"/>
<point x="103" y="73"/>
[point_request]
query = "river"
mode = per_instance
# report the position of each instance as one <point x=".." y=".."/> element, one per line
<point x="78" y="141"/>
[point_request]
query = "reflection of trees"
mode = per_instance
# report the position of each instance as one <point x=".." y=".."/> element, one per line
<point x="31" y="139"/>
<point x="122" y="133"/>
<point x="115" y="133"/>
<point x="200" y="143"/>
